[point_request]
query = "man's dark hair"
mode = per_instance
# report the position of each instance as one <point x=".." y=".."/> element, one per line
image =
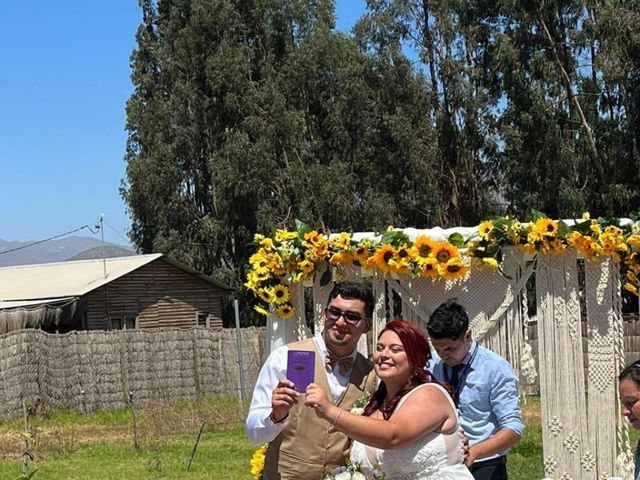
<point x="449" y="320"/>
<point x="354" y="290"/>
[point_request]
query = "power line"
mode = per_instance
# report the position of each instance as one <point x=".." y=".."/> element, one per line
<point x="47" y="239"/>
<point x="116" y="232"/>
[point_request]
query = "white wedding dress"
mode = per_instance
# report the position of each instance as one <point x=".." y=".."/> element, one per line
<point x="436" y="456"/>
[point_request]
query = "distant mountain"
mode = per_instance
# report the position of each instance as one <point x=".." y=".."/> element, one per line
<point x="110" y="251"/>
<point x="51" y="251"/>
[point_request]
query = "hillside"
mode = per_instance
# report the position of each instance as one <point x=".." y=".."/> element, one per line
<point x="53" y="251"/>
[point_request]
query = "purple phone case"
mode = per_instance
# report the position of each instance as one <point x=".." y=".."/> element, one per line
<point x="300" y="368"/>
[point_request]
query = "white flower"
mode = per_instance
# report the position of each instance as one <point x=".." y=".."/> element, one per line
<point x="357" y="410"/>
<point x="344" y="476"/>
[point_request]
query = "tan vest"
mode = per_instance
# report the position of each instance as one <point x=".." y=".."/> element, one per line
<point x="308" y="447"/>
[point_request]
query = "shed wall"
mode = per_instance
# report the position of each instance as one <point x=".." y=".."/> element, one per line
<point x="157" y="295"/>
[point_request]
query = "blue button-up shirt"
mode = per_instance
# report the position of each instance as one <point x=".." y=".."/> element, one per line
<point x="488" y="396"/>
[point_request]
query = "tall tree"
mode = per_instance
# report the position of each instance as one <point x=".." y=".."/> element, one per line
<point x="249" y="114"/>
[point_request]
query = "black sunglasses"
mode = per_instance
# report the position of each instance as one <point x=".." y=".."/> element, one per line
<point x="351" y="318"/>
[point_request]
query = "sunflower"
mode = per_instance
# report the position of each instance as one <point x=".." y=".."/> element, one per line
<point x="312" y="238"/>
<point x="422" y="248"/>
<point x="305" y="266"/>
<point x="280" y="294"/>
<point x="267" y="244"/>
<point x="556" y="246"/>
<point x="284" y="235"/>
<point x="444" y="251"/>
<point x="613" y="230"/>
<point x="485" y="228"/>
<point x="285" y="311"/>
<point x="453" y="269"/>
<point x="261" y="310"/>
<point x="513" y="232"/>
<point x="317" y="251"/>
<point x="633" y="260"/>
<point x="595" y="228"/>
<point x="342" y="242"/>
<point x="546" y="227"/>
<point x="383" y="256"/>
<point x="634" y="241"/>
<point x="341" y="258"/>
<point x="362" y="252"/>
<point x="529" y="248"/>
<point x="490" y="262"/>
<point x="534" y="236"/>
<point x="428" y="268"/>
<point x="631" y="288"/>
<point x="265" y="294"/>
<point x="257" y="462"/>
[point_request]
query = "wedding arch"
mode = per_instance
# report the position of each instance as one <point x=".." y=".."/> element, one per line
<point x="577" y="269"/>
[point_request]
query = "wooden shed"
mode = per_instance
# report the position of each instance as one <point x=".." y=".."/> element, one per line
<point x="141" y="291"/>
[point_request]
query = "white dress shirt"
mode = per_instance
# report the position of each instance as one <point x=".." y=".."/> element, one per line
<point x="260" y="429"/>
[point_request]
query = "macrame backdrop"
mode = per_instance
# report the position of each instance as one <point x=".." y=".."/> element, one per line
<point x="584" y="437"/>
<point x="579" y="430"/>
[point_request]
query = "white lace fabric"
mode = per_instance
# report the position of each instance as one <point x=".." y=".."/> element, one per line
<point x="433" y="456"/>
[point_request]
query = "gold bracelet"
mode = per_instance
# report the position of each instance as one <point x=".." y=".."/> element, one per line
<point x="335" y="422"/>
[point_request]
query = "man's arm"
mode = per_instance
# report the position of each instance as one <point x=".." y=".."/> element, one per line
<point x="501" y="441"/>
<point x="505" y="405"/>
<point x="259" y="426"/>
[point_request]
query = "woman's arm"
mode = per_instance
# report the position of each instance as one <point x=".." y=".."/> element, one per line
<point x="426" y="410"/>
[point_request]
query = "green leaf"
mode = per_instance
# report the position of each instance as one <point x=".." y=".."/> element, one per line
<point x="302" y="228"/>
<point x="563" y="229"/>
<point x="396" y="238"/>
<point x="326" y="277"/>
<point x="456" y="239"/>
<point x="583" y="227"/>
<point x="537" y="214"/>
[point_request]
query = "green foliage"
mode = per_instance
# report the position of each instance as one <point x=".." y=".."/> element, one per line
<point x="248" y="115"/>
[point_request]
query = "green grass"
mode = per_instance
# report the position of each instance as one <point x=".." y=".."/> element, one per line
<point x="100" y="446"/>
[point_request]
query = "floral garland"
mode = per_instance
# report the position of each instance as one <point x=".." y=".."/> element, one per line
<point x="257" y="462"/>
<point x="295" y="256"/>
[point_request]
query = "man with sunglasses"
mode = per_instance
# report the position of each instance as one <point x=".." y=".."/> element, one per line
<point x="301" y="445"/>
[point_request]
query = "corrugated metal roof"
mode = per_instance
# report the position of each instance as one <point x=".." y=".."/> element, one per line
<point x="33" y="303"/>
<point x="65" y="279"/>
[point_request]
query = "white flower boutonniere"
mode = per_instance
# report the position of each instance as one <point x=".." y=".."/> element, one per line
<point x="358" y="406"/>
<point x="353" y="471"/>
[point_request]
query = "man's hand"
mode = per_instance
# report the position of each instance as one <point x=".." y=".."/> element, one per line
<point x="465" y="447"/>
<point x="282" y="399"/>
<point x="470" y="456"/>
<point x="317" y="399"/>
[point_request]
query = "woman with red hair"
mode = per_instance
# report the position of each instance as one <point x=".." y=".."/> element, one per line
<point x="410" y="427"/>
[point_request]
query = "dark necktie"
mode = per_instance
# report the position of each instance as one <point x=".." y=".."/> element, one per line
<point x="344" y="363"/>
<point x="455" y="376"/>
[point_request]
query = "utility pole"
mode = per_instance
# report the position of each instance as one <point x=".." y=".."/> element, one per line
<point x="104" y="259"/>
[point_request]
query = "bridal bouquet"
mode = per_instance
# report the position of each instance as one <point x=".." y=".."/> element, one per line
<point x="353" y="471"/>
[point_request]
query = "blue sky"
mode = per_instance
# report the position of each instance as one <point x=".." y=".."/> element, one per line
<point x="63" y="88"/>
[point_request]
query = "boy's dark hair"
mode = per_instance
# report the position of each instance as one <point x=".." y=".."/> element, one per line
<point x="449" y="320"/>
<point x="354" y="290"/>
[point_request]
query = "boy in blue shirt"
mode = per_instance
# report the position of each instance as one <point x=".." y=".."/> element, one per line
<point x="484" y="387"/>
